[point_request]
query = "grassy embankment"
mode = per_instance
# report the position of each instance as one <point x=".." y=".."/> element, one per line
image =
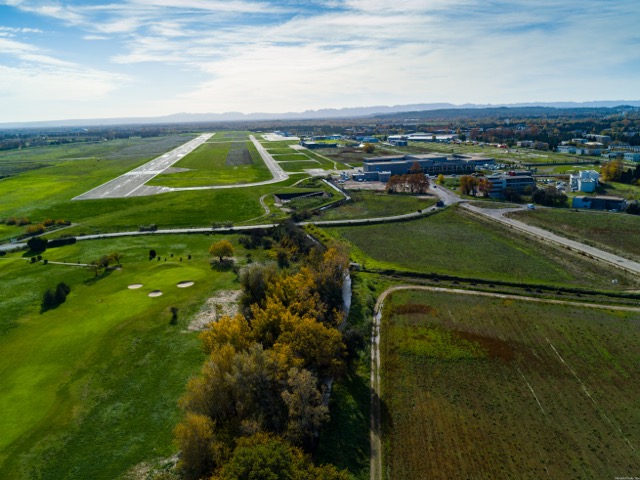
<point x="618" y="233"/>
<point x="489" y="388"/>
<point x="365" y="204"/>
<point x="91" y="387"/>
<point x="454" y="243"/>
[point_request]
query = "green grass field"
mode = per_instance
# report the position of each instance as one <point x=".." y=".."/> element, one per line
<point x="490" y="388"/>
<point x="290" y="157"/>
<point x="373" y="204"/>
<point x="90" y="389"/>
<point x="454" y="243"/>
<point x="209" y="165"/>
<point x="618" y="233"/>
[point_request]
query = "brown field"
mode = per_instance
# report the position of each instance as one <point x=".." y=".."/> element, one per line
<point x="479" y="388"/>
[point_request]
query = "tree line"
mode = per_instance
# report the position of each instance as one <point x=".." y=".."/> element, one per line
<point x="256" y="409"/>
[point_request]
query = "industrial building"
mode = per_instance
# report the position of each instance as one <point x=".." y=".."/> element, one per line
<point x="600" y="203"/>
<point x="431" y="164"/>
<point x="584" y="181"/>
<point x="517" y="182"/>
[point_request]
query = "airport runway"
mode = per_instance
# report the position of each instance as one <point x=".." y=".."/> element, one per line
<point x="133" y="182"/>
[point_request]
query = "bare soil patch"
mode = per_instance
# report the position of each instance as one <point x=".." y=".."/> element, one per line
<point x="224" y="302"/>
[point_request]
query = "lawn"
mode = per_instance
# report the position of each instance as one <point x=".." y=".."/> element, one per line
<point x="90" y="389"/>
<point x="289" y="157"/>
<point x="618" y="233"/>
<point x="454" y="243"/>
<point x="365" y="204"/>
<point x="300" y="166"/>
<point x="489" y="388"/>
<point x="215" y="164"/>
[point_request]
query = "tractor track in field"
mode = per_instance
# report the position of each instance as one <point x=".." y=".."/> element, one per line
<point x="376" y="468"/>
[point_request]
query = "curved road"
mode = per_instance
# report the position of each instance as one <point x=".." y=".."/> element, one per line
<point x="547" y="236"/>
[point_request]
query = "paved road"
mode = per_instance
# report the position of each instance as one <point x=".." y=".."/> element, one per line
<point x="276" y="170"/>
<point x="133" y="182"/>
<point x="547" y="236"/>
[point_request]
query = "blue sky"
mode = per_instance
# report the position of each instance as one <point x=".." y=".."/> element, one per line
<point x="125" y="58"/>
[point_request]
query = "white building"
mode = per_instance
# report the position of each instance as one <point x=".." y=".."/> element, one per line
<point x="584" y="181"/>
<point x="632" y="157"/>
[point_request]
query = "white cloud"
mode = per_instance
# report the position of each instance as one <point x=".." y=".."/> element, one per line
<point x="35" y="84"/>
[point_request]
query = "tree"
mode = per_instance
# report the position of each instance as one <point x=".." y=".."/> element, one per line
<point x="152" y="254"/>
<point x="304" y="404"/>
<point x="268" y="457"/>
<point x="221" y="249"/>
<point x="369" y="148"/>
<point x="199" y="449"/>
<point x="468" y="185"/>
<point x="37" y="244"/>
<point x="440" y="179"/>
<point x="234" y="331"/>
<point x="612" y="171"/>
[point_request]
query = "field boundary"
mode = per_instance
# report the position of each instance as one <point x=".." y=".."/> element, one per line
<point x="375" y="421"/>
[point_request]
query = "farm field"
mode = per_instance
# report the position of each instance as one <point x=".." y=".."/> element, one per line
<point x="617" y="233"/>
<point x="217" y="163"/>
<point x="365" y="204"/>
<point x="489" y="388"/>
<point x="451" y="242"/>
<point x="90" y="388"/>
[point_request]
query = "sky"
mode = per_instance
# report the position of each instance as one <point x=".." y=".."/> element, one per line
<point x="132" y="58"/>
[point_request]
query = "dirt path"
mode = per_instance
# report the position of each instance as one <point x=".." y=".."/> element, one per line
<point x="375" y="433"/>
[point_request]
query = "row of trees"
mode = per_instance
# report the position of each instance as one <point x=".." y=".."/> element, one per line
<point x="260" y="399"/>
<point x="470" y="185"/>
<point x="614" y="171"/>
<point x="413" y="182"/>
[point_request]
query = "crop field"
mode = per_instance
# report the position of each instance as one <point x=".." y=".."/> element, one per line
<point x="453" y="243"/>
<point x="490" y="388"/>
<point x="90" y="388"/>
<point x="217" y="164"/>
<point x="366" y="204"/>
<point x="618" y="233"/>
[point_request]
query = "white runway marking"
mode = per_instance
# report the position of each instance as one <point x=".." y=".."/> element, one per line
<point x="130" y="182"/>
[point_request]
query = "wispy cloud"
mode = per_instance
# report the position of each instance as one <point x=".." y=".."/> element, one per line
<point x="282" y="55"/>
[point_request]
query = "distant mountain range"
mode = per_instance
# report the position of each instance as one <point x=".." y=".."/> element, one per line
<point x="322" y="114"/>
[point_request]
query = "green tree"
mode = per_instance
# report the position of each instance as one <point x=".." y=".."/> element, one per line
<point x="221" y="249"/>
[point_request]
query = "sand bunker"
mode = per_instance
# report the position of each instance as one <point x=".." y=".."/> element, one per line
<point x="135" y="286"/>
<point x="155" y="293"/>
<point x="185" y="284"/>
